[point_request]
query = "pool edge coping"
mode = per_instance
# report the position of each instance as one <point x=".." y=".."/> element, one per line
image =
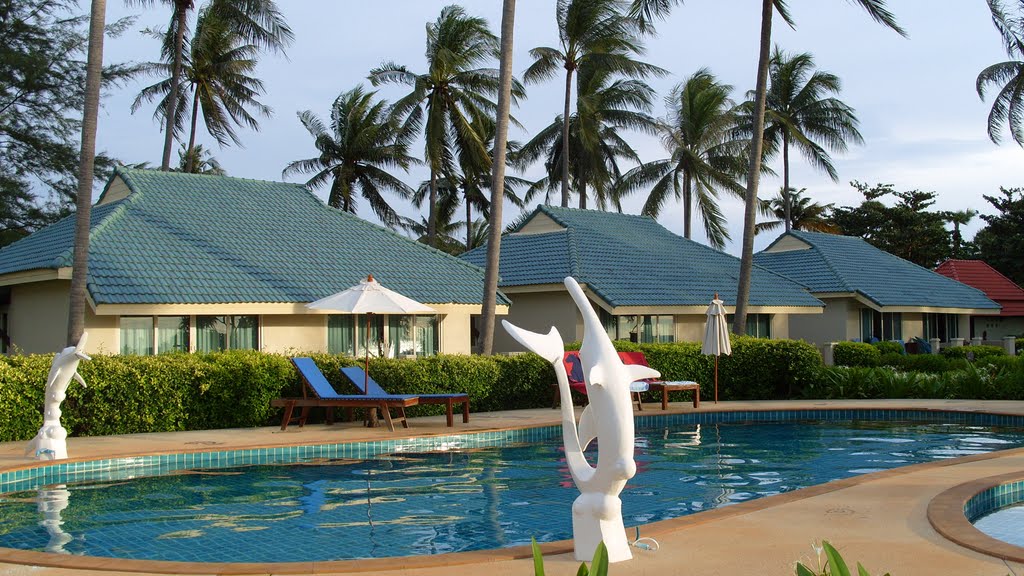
<point x="946" y="515"/>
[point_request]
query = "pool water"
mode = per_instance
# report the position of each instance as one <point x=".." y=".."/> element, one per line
<point x="1006" y="524"/>
<point x="412" y="504"/>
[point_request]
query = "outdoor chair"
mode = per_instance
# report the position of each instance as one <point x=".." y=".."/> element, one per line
<point x="664" y="386"/>
<point x="574" y="370"/>
<point x="323" y="395"/>
<point x="358" y="377"/>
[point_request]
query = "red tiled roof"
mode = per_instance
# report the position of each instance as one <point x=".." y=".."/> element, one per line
<point x="980" y="275"/>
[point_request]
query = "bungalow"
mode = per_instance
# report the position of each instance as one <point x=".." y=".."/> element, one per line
<point x="977" y="273"/>
<point x="186" y="262"/>
<point x="648" y="284"/>
<point x="869" y="293"/>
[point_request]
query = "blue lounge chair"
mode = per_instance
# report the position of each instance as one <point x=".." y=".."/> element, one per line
<point x="359" y="378"/>
<point x="323" y="394"/>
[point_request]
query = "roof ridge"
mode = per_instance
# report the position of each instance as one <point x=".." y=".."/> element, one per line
<point x="574" y="255"/>
<point x="176" y="174"/>
<point x="66" y="257"/>
<point x="828" y="263"/>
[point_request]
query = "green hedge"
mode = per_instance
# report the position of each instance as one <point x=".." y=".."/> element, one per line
<point x="999" y="379"/>
<point x="977" y="352"/>
<point x="134" y="394"/>
<point x="889" y="347"/>
<point x="757" y="369"/>
<point x="855" y="354"/>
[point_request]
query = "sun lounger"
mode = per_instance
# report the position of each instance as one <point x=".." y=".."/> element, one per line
<point x="664" y="386"/>
<point x="323" y="395"/>
<point x="574" y="370"/>
<point x="358" y="377"/>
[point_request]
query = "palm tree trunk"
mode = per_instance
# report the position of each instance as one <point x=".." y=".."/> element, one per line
<point x="189" y="156"/>
<point x="583" y="194"/>
<point x="181" y="11"/>
<point x="469" y="217"/>
<point x="432" y="211"/>
<point x="87" y="156"/>
<point x="787" y="203"/>
<point x="687" y="205"/>
<point x="565" y="139"/>
<point x="508" y="15"/>
<point x="739" y="324"/>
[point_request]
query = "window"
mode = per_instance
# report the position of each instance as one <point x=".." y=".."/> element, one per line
<point x="643" y="329"/>
<point x="758" y="325"/>
<point x="172" y="334"/>
<point x="218" y="333"/>
<point x="413" y="336"/>
<point x="5" y="338"/>
<point x="140" y="333"/>
<point x="941" y="326"/>
<point x="137" y="335"/>
<point x="875" y="325"/>
<point x="390" y="336"/>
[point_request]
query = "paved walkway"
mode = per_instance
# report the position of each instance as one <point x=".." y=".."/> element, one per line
<point x="877" y="519"/>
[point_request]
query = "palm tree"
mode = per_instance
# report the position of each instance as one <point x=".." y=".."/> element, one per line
<point x="362" y="142"/>
<point x="876" y="9"/>
<point x="799" y="112"/>
<point x="198" y="160"/>
<point x="448" y="224"/>
<point x="605" y="107"/>
<point x="596" y="34"/>
<point x="216" y="72"/>
<point x="450" y="98"/>
<point x="175" y="50"/>
<point x="505" y="93"/>
<point x="698" y="136"/>
<point x="803" y="213"/>
<point x="957" y="219"/>
<point x="257" y="22"/>
<point x="83" y="202"/>
<point x="1008" y="105"/>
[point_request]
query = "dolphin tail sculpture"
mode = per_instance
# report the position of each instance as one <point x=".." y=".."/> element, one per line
<point x="597" y="512"/>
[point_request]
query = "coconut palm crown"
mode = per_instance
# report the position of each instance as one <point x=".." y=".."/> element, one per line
<point x="1007" y="77"/>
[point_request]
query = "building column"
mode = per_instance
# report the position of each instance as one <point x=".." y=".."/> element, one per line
<point x="1010" y="345"/>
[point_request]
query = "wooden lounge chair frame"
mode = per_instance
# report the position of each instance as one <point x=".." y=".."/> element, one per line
<point x="664" y="386"/>
<point x="358" y="377"/>
<point x="323" y="395"/>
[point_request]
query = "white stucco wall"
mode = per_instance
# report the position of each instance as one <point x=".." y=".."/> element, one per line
<point x="837" y="323"/>
<point x="538" y="312"/>
<point x="995" y="327"/>
<point x="37" y="320"/>
<point x="283" y="333"/>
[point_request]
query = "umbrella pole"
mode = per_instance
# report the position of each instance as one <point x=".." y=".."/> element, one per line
<point x="371" y="412"/>
<point x="716" y="379"/>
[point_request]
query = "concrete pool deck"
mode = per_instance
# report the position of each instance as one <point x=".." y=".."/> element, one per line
<point x="880" y="520"/>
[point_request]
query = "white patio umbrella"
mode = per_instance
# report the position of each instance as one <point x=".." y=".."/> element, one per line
<point x="369" y="297"/>
<point x="716" y="336"/>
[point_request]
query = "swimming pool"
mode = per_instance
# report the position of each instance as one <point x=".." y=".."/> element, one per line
<point x="454" y="500"/>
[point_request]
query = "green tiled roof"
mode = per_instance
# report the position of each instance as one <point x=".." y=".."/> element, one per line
<point x="849" y="264"/>
<point x="190" y="239"/>
<point x="632" y="260"/>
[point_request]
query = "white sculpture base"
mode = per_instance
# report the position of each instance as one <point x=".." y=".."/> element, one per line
<point x="51" y="443"/>
<point x="596" y="518"/>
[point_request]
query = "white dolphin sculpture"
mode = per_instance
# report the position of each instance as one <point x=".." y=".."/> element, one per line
<point x="50" y="442"/>
<point x="597" y="512"/>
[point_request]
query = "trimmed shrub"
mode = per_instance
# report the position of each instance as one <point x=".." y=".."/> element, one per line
<point x="888" y="347"/>
<point x="926" y="363"/>
<point x="856" y="354"/>
<point x="133" y="394"/>
<point x="975" y="352"/>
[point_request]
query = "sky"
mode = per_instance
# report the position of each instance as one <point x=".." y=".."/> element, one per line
<point x="923" y="124"/>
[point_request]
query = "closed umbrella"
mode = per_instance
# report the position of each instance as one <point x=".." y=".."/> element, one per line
<point x="369" y="297"/>
<point x="716" y="336"/>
